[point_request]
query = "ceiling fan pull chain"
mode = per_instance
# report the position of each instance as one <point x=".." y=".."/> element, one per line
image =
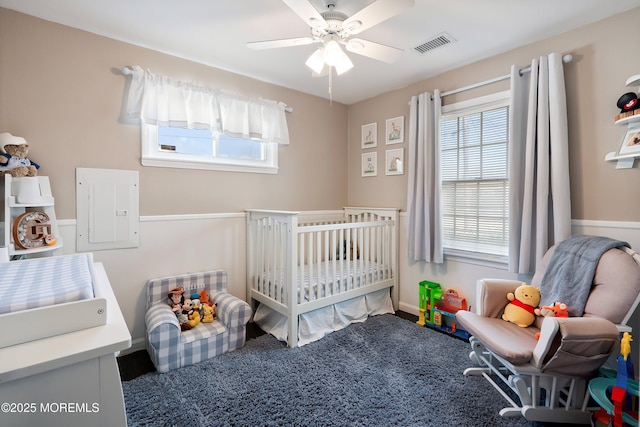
<point x="330" y="85"/>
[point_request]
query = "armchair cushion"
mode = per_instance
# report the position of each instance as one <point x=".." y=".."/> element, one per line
<point x="505" y="339"/>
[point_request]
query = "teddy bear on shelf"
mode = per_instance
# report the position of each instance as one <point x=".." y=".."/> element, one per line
<point x="522" y="305"/>
<point x="13" y="156"/>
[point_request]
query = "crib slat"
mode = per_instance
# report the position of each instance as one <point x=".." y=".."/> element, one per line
<point x="325" y="255"/>
<point x="301" y="269"/>
<point x="349" y="281"/>
<point x="332" y="244"/>
<point x="318" y="253"/>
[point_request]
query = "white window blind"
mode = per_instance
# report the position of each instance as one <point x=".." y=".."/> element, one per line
<point x="475" y="185"/>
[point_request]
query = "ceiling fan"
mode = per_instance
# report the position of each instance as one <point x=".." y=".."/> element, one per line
<point x="333" y="29"/>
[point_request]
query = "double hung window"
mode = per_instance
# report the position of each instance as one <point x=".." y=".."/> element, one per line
<point x="474" y="158"/>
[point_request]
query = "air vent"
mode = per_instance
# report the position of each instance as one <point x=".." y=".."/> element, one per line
<point x="436" y="42"/>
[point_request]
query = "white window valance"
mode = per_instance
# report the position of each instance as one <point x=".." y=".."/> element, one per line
<point x="161" y="101"/>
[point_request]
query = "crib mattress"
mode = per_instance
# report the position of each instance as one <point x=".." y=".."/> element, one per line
<point x="45" y="281"/>
<point x="44" y="297"/>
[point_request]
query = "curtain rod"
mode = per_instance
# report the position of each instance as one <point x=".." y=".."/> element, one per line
<point x="128" y="71"/>
<point x="565" y="58"/>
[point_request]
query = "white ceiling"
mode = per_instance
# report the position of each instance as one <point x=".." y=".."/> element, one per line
<point x="215" y="32"/>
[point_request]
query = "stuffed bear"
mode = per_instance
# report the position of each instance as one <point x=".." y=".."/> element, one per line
<point x="13" y="156"/>
<point x="522" y="305"/>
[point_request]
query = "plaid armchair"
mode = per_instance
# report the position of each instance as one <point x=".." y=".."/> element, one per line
<point x="168" y="346"/>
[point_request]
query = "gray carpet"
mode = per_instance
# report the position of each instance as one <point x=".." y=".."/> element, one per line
<point x="386" y="371"/>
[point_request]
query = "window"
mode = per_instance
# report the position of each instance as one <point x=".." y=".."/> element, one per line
<point x="474" y="144"/>
<point x="200" y="149"/>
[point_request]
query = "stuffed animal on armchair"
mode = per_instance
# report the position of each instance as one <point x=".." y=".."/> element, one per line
<point x="522" y="305"/>
<point x="13" y="156"/>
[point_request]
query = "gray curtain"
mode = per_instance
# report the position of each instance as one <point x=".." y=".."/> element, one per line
<point x="423" y="168"/>
<point x="540" y="203"/>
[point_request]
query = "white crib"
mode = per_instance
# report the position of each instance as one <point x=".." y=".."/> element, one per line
<point x="310" y="269"/>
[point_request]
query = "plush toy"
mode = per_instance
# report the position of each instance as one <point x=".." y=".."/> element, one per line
<point x="204" y="298"/>
<point x="194" y="318"/>
<point x="558" y="309"/>
<point x="208" y="313"/>
<point x="13" y="156"/>
<point x="176" y="301"/>
<point x="522" y="305"/>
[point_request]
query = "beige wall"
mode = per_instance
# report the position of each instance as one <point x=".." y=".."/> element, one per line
<point x="595" y="79"/>
<point x="61" y="89"/>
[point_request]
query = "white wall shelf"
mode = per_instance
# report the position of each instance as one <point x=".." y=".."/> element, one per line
<point x="12" y="209"/>
<point x="626" y="160"/>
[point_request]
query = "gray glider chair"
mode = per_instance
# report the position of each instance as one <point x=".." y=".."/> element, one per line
<point x="546" y="379"/>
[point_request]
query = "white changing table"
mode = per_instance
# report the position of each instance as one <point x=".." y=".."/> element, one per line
<point x="67" y="380"/>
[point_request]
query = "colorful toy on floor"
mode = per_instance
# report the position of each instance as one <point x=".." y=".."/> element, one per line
<point x="429" y="294"/>
<point x="451" y="302"/>
<point x="437" y="309"/>
<point x="616" y="396"/>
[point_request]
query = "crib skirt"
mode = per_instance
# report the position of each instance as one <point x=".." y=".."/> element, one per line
<point x="318" y="323"/>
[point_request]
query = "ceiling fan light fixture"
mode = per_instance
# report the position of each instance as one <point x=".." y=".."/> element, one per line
<point x="344" y="65"/>
<point x="332" y="53"/>
<point x="316" y="60"/>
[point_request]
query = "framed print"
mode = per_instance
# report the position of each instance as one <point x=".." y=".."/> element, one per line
<point x="394" y="162"/>
<point x="631" y="141"/>
<point x="395" y="130"/>
<point x="370" y="164"/>
<point x="369" y="135"/>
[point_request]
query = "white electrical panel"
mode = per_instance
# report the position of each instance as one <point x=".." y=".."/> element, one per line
<point x="107" y="212"/>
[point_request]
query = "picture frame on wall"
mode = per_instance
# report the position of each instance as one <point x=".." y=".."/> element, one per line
<point x="631" y="141"/>
<point x="394" y="130"/>
<point x="394" y="161"/>
<point x="369" y="135"/>
<point x="369" y="164"/>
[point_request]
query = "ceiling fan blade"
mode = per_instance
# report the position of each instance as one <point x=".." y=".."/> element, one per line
<point x="270" y="44"/>
<point x="376" y="12"/>
<point x="307" y="12"/>
<point x="374" y="50"/>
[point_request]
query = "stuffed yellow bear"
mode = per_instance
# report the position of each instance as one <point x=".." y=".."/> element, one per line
<point x="521" y="308"/>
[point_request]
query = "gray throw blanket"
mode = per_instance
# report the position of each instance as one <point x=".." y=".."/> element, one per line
<point x="571" y="269"/>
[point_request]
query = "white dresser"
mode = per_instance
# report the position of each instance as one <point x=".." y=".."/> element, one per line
<point x="70" y="379"/>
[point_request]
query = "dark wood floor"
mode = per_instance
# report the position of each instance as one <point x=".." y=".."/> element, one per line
<point x="134" y="364"/>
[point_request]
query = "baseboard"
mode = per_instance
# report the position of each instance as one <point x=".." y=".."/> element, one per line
<point x="409" y="308"/>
